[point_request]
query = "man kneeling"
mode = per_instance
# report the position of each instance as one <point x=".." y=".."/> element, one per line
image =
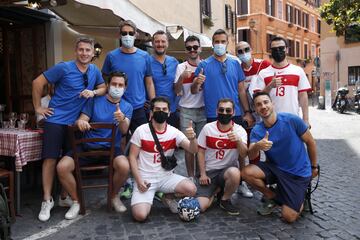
<point x="110" y="108"/>
<point x="220" y="144"/>
<point x="281" y="136"/>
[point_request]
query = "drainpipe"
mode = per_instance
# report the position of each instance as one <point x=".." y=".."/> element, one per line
<point x="201" y="18"/>
<point x="338" y="68"/>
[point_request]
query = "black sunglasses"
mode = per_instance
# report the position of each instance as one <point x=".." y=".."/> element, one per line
<point x="227" y="110"/>
<point x="223" y="67"/>
<point x="124" y="33"/>
<point x="86" y="81"/>
<point x="281" y="48"/>
<point x="195" y="47"/>
<point x="242" y="51"/>
<point x="164" y="68"/>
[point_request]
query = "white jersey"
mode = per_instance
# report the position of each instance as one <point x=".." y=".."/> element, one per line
<point x="285" y="97"/>
<point x="220" y="152"/>
<point x="188" y="100"/>
<point x="149" y="160"/>
<point x="252" y="72"/>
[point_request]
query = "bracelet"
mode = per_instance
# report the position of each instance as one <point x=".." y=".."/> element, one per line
<point x="247" y="111"/>
<point x="314" y="167"/>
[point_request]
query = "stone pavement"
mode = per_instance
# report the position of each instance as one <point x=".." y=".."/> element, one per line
<point x="336" y="203"/>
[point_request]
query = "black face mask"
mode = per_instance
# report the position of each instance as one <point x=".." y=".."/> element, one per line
<point x="160" y="116"/>
<point x="278" y="55"/>
<point x="224" y="118"/>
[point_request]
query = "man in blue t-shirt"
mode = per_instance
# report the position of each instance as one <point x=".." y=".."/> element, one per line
<point x="163" y="72"/>
<point x="74" y="83"/>
<point x="281" y="136"/>
<point x="110" y="108"/>
<point x="136" y="64"/>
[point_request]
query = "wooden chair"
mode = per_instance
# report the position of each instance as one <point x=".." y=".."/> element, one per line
<point x="76" y="141"/>
<point x="9" y="189"/>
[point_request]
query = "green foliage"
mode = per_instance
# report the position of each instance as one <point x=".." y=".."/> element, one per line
<point x="341" y="14"/>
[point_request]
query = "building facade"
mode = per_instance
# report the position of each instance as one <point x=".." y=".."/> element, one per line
<point x="297" y="21"/>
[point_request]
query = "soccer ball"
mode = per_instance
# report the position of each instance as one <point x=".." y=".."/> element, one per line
<point x="188" y="209"/>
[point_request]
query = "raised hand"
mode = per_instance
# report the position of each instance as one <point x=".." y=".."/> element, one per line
<point x="189" y="132"/>
<point x="200" y="79"/>
<point x="187" y="73"/>
<point x="276" y="81"/>
<point x="118" y="115"/>
<point x="233" y="136"/>
<point x="264" y="144"/>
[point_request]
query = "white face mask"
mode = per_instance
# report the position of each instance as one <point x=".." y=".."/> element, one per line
<point x="219" y="49"/>
<point x="115" y="92"/>
<point x="127" y="41"/>
<point x="246" y="57"/>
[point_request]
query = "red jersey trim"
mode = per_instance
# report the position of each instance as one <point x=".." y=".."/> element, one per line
<point x="305" y="90"/>
<point x="190" y="79"/>
<point x="281" y="67"/>
<point x="217" y="126"/>
<point x="162" y="131"/>
<point x="150" y="146"/>
<point x="287" y="79"/>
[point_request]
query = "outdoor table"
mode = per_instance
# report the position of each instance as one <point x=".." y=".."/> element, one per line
<point x="25" y="146"/>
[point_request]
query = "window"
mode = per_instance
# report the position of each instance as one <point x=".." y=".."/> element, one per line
<point x="206" y="7"/>
<point x="305" y="20"/>
<point x="305" y="51"/>
<point x="352" y="33"/>
<point x="297" y="17"/>
<point x="244" y="35"/>
<point x="289" y="13"/>
<point x="268" y="39"/>
<point x="313" y="51"/>
<point x="312" y="23"/>
<point x="270" y="7"/>
<point x="280" y="9"/>
<point x="291" y="48"/>
<point x="228" y="16"/>
<point x="242" y="7"/>
<point x="297" y="49"/>
<point x="354" y="75"/>
<point x="318" y="30"/>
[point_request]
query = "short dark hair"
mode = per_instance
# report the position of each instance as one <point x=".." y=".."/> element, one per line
<point x="85" y="39"/>
<point x="159" y="32"/>
<point x="260" y="93"/>
<point x="219" y="32"/>
<point x="192" y="38"/>
<point x="223" y="100"/>
<point x="118" y="74"/>
<point x="159" y="99"/>
<point x="278" y="38"/>
<point x="127" y="23"/>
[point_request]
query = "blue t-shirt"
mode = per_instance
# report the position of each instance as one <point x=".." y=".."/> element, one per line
<point x="100" y="109"/>
<point x="164" y="83"/>
<point x="221" y="81"/>
<point x="136" y="66"/>
<point x="69" y="82"/>
<point x="288" y="151"/>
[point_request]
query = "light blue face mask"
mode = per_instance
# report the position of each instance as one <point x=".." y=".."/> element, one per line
<point x="219" y="49"/>
<point x="127" y="41"/>
<point x="115" y="92"/>
<point x="245" y="58"/>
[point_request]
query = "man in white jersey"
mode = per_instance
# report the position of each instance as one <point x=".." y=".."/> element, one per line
<point x="145" y="161"/>
<point x="220" y="144"/>
<point x="191" y="105"/>
<point x="286" y="83"/>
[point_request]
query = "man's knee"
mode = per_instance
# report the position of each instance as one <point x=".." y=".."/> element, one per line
<point x="121" y="164"/>
<point x="289" y="214"/>
<point x="139" y="215"/>
<point x="232" y="173"/>
<point x="65" y="166"/>
<point x="250" y="172"/>
<point x="186" y="188"/>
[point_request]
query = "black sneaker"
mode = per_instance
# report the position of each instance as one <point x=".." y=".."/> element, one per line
<point x="229" y="208"/>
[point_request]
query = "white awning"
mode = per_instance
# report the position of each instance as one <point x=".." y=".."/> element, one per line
<point x="176" y="31"/>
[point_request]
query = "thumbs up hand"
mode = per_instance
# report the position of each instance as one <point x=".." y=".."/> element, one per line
<point x="200" y="79"/>
<point x="276" y="81"/>
<point x="187" y="73"/>
<point x="233" y="136"/>
<point x="118" y="115"/>
<point x="264" y="144"/>
<point x="189" y="132"/>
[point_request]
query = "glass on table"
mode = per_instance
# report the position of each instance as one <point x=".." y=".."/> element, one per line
<point x="24" y="118"/>
<point x="6" y="124"/>
<point x="12" y="123"/>
<point x="12" y="116"/>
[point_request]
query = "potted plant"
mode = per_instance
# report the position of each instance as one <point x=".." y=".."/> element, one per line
<point x="207" y="21"/>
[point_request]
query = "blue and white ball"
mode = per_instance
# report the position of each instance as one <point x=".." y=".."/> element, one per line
<point x="188" y="208"/>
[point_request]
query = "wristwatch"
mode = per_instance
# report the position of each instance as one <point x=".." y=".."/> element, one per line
<point x="247" y="111"/>
<point x="314" y="167"/>
<point x="94" y="92"/>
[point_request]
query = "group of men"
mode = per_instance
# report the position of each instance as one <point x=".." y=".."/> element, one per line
<point x="215" y="109"/>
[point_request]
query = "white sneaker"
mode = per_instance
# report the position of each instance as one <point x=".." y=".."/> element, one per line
<point x="244" y="190"/>
<point x="67" y="202"/>
<point x="73" y="212"/>
<point x="118" y="205"/>
<point x="171" y="204"/>
<point x="46" y="207"/>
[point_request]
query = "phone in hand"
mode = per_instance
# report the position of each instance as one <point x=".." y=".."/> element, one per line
<point x="148" y="185"/>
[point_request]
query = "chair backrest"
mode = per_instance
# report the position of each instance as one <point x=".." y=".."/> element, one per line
<point x="77" y="141"/>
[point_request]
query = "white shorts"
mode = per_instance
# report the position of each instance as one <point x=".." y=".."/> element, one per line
<point x="166" y="184"/>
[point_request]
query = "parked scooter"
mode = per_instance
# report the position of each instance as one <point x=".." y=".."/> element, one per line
<point x="357" y="99"/>
<point x="341" y="102"/>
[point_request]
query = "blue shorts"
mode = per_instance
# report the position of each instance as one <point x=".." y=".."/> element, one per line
<point x="291" y="189"/>
<point x="93" y="160"/>
<point x="56" y="140"/>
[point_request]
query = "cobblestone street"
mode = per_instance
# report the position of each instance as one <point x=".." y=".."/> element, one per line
<point x="336" y="203"/>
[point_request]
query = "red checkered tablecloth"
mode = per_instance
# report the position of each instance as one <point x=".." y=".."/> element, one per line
<point x="25" y="146"/>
